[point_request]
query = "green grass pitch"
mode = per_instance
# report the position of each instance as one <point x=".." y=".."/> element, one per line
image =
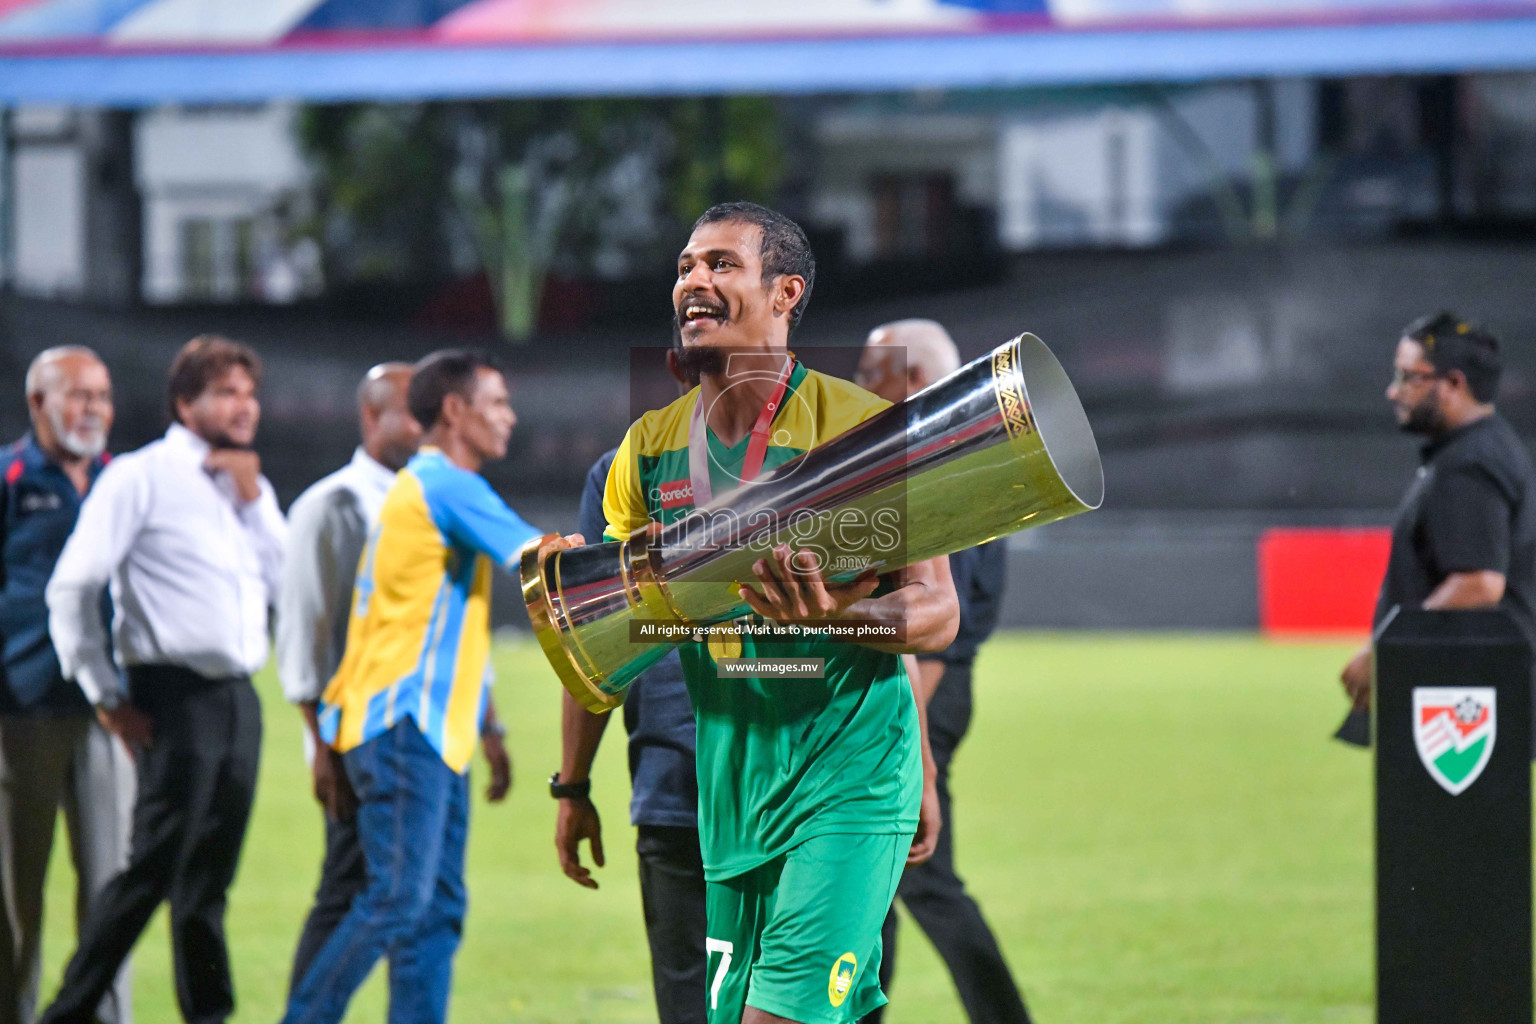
<point x="1157" y="827"/>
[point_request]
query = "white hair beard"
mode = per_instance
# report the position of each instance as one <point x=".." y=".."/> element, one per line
<point x="83" y="442"/>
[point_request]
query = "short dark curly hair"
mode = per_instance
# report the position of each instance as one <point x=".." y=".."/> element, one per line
<point x="1453" y="343"/>
<point x="784" y="250"/>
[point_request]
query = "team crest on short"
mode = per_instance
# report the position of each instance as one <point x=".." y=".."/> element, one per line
<point x="841" y="980"/>
<point x="1454" y="729"/>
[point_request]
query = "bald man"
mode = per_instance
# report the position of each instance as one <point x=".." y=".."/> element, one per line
<point x="327" y="528"/>
<point x="53" y="752"/>
<point x="899" y="360"/>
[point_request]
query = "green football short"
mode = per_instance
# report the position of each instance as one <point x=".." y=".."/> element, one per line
<point x="800" y="936"/>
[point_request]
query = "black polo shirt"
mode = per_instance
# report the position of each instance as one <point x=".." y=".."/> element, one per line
<point x="980" y="573"/>
<point x="1471" y="507"/>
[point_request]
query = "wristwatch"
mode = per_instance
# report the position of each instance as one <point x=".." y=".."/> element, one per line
<point x="495" y="727"/>
<point x="110" y="700"/>
<point x="568" y="790"/>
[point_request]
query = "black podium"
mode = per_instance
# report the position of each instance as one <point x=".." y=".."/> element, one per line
<point x="1453" y="819"/>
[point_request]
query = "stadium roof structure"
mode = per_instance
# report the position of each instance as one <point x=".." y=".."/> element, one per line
<point x="145" y="52"/>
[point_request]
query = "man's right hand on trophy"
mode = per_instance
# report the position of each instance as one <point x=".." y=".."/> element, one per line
<point x="792" y="589"/>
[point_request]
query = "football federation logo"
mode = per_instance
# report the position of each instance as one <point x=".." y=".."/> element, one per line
<point x="841" y="981"/>
<point x="1454" y="729"/>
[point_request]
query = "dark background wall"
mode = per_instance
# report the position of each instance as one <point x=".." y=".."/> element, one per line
<point x="1229" y="390"/>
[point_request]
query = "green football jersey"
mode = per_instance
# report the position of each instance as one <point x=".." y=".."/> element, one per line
<point x="779" y="760"/>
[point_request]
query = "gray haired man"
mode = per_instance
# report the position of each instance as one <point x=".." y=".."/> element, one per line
<point x="899" y="360"/>
<point x="53" y="752"/>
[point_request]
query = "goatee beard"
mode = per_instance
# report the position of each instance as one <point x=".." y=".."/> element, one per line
<point x="1423" y="419"/>
<point x="85" y="446"/>
<point x="221" y="441"/>
<point x="700" y="361"/>
<point x="86" y="441"/>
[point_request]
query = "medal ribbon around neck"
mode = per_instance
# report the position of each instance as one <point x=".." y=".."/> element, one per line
<point x="757" y="447"/>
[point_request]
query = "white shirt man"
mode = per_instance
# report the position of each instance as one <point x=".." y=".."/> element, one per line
<point x="192" y="570"/>
<point x="328" y="529"/>
<point x="188" y="534"/>
<point x="328" y="525"/>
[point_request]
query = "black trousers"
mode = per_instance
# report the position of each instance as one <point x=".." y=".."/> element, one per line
<point x="196" y="783"/>
<point x="672" y="895"/>
<point x="935" y="896"/>
<point x="342" y="876"/>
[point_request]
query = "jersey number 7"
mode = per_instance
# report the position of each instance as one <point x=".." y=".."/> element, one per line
<point x="712" y="946"/>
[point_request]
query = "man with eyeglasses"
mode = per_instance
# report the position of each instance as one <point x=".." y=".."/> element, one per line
<point x="1465" y="535"/>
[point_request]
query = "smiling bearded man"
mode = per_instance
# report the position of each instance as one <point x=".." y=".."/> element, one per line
<point x="810" y="790"/>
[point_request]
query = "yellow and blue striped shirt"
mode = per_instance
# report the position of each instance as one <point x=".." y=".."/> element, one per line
<point x="419" y="635"/>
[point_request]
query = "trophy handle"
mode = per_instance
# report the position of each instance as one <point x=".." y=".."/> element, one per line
<point x="547" y="622"/>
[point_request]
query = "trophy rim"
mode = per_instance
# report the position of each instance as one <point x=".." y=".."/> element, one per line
<point x="1055" y="412"/>
<point x="542" y="616"/>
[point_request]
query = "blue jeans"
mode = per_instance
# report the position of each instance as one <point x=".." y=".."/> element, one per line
<point x="412" y="819"/>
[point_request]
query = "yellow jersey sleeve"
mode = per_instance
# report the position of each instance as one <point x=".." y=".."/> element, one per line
<point x="623" y="501"/>
<point x="844" y="406"/>
<point x="872" y="406"/>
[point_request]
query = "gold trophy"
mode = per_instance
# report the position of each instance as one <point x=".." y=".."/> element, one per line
<point x="1000" y="445"/>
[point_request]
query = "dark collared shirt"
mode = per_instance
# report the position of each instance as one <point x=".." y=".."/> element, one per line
<point x="980" y="574"/>
<point x="657" y="712"/>
<point x="1471" y="507"/>
<point x="38" y="508"/>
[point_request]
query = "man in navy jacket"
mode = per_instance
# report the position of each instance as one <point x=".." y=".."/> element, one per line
<point x="53" y="752"/>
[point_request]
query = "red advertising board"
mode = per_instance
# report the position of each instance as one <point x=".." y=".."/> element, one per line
<point x="1317" y="582"/>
